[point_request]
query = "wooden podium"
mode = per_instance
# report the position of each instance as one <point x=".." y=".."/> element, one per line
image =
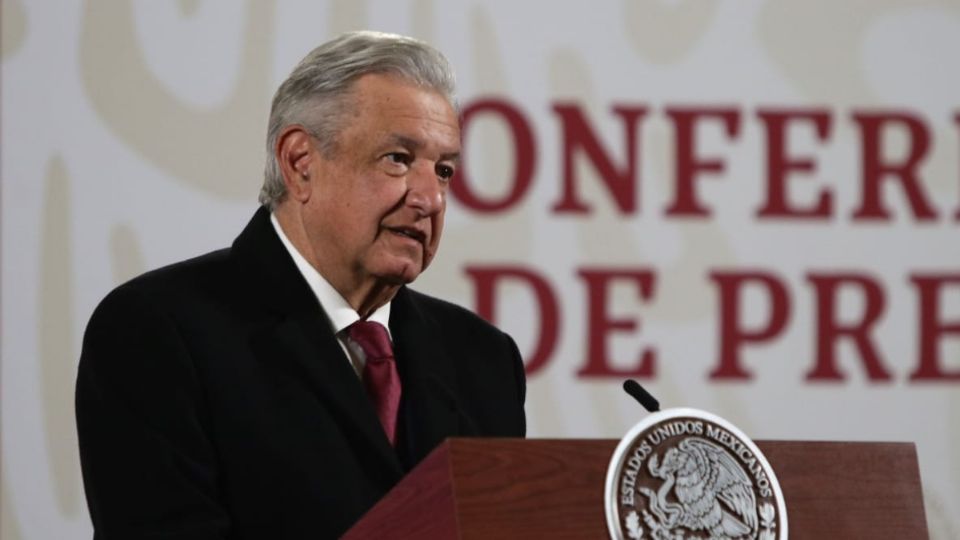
<point x="543" y="488"/>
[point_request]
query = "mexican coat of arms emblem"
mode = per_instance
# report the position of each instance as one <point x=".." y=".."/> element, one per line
<point x="684" y="474"/>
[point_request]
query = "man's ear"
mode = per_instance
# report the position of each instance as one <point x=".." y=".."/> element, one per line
<point x="296" y="154"/>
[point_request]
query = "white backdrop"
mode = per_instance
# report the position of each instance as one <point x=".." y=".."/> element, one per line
<point x="131" y="138"/>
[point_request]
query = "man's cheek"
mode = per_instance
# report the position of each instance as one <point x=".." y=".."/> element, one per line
<point x="428" y="255"/>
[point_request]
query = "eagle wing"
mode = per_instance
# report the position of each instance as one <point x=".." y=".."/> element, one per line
<point x="728" y="481"/>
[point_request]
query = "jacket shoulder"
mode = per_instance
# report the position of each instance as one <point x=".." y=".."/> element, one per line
<point x="188" y="275"/>
<point x="182" y="273"/>
<point x="166" y="290"/>
<point x="446" y="314"/>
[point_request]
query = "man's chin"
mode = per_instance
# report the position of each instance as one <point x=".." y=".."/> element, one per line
<point x="400" y="274"/>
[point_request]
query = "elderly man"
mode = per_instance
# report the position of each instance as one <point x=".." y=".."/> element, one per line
<point x="280" y="387"/>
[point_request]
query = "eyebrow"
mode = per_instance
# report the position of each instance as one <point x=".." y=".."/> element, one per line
<point x="415" y="144"/>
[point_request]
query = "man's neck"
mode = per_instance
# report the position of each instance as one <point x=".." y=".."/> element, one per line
<point x="375" y="296"/>
<point x="364" y="296"/>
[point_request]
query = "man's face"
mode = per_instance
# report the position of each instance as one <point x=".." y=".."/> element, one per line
<point x="377" y="201"/>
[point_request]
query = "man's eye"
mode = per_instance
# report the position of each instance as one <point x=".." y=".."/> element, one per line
<point x="398" y="157"/>
<point x="445" y="171"/>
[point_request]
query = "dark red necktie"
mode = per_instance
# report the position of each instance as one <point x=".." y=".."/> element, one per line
<point x="379" y="372"/>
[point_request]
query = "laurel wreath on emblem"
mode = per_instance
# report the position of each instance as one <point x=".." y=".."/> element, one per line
<point x="712" y="493"/>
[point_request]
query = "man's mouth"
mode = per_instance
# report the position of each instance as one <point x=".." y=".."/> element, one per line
<point x="409" y="232"/>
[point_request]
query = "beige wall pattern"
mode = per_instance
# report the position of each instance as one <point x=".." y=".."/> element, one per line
<point x="132" y="137"/>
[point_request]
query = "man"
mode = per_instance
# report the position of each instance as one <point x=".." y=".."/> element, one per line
<point x="279" y="388"/>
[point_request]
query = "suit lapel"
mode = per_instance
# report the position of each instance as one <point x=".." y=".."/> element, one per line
<point x="298" y="337"/>
<point x="429" y="407"/>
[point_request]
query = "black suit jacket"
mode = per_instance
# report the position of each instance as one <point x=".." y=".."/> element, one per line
<point x="214" y="401"/>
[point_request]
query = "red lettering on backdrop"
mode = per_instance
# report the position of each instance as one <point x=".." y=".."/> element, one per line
<point x="876" y="166"/>
<point x="732" y="335"/>
<point x="688" y="165"/>
<point x="600" y="325"/>
<point x="780" y="164"/>
<point x="830" y="329"/>
<point x="577" y="135"/>
<point x="932" y="328"/>
<point x="525" y="157"/>
<point x="485" y="280"/>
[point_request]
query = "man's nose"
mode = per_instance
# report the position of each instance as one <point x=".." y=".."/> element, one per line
<point x="425" y="189"/>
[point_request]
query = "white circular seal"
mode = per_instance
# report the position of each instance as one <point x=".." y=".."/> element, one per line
<point x="688" y="474"/>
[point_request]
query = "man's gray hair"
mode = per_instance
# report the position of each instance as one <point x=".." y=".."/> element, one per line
<point x="314" y="95"/>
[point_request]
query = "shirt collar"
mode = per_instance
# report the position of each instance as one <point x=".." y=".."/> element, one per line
<point x="340" y="313"/>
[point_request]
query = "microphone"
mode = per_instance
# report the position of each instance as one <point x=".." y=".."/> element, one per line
<point x="649" y="402"/>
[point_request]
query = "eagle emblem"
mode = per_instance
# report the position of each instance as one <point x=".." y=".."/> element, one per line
<point x="711" y="490"/>
<point x="686" y="474"/>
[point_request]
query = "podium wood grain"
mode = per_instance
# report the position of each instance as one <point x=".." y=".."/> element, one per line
<point x="543" y="488"/>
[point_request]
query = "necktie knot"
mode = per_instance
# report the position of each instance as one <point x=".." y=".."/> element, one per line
<point x="373" y="338"/>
